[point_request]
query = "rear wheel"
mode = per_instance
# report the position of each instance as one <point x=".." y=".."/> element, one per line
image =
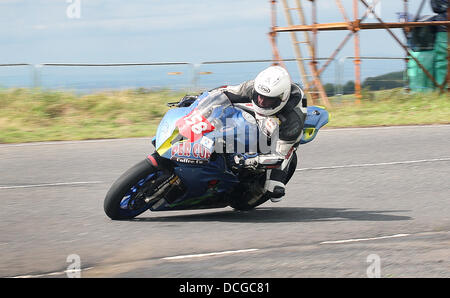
<point x="126" y="197"/>
<point x="246" y="205"/>
<point x="292" y="168"/>
<point x="249" y="195"/>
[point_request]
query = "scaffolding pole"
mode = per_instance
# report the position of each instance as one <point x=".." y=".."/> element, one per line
<point x="355" y="26"/>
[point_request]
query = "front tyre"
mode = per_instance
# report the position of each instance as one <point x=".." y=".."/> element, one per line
<point x="126" y="197"/>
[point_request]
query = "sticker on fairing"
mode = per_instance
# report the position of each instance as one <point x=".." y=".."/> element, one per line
<point x="207" y="143"/>
<point x="194" y="125"/>
<point x="188" y="152"/>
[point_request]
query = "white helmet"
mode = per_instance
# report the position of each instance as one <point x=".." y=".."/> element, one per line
<point x="272" y="90"/>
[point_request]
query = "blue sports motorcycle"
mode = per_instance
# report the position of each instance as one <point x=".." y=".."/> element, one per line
<point x="196" y="164"/>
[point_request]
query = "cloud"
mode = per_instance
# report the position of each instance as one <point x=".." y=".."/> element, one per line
<point x="117" y="16"/>
<point x="40" y="27"/>
<point x="120" y="28"/>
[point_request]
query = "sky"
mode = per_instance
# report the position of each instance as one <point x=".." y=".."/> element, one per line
<point x="105" y="31"/>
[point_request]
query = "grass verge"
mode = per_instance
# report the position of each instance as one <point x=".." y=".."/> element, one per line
<point x="28" y="115"/>
<point x="390" y="107"/>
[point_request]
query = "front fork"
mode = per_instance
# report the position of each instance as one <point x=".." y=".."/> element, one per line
<point x="169" y="187"/>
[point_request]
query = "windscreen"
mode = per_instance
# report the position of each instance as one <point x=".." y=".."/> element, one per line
<point x="220" y="126"/>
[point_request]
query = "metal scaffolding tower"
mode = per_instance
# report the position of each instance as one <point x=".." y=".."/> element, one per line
<point x="311" y="79"/>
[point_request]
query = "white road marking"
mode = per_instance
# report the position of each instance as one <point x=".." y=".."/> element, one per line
<point x="343" y="129"/>
<point x="39" y="275"/>
<point x="149" y="138"/>
<point x="50" y="184"/>
<point x="52" y="273"/>
<point x="376" y="164"/>
<point x="364" y="239"/>
<point x="73" y="142"/>
<point x="210" y="254"/>
<point x="230" y="252"/>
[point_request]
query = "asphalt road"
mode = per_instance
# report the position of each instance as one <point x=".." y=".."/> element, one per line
<point x="359" y="198"/>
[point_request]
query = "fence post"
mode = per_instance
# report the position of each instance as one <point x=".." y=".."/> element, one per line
<point x="342" y="69"/>
<point x="195" y="68"/>
<point x="36" y="69"/>
<point x="336" y="77"/>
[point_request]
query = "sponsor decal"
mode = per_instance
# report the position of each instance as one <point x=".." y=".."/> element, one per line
<point x="200" y="151"/>
<point x="181" y="151"/>
<point x="189" y="160"/>
<point x="207" y="143"/>
<point x="264" y="88"/>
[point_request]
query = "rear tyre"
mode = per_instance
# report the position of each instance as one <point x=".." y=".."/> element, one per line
<point x="125" y="198"/>
<point x="247" y="200"/>
<point x="292" y="168"/>
<point x="244" y="205"/>
<point x="249" y="196"/>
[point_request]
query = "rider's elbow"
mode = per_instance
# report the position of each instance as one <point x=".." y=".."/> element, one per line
<point x="291" y="129"/>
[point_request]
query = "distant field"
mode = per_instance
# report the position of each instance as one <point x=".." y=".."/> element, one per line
<point x="28" y="115"/>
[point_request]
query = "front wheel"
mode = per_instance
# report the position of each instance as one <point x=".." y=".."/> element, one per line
<point x="126" y="197"/>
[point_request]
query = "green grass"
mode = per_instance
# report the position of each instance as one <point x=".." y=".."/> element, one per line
<point x="390" y="107"/>
<point x="28" y="115"/>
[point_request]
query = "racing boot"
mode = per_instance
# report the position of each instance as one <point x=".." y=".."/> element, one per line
<point x="274" y="186"/>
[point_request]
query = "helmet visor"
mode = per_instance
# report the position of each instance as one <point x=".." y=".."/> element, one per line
<point x="266" y="102"/>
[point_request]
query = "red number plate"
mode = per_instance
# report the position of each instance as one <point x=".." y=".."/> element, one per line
<point x="193" y="126"/>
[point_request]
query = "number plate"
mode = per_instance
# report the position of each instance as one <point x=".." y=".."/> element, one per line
<point x="193" y="126"/>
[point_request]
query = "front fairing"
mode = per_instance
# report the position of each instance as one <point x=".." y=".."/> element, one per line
<point x="316" y="118"/>
<point x="167" y="125"/>
<point x="230" y="130"/>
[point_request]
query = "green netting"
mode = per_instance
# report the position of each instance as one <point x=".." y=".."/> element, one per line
<point x="435" y="61"/>
<point x="440" y="57"/>
<point x="418" y="80"/>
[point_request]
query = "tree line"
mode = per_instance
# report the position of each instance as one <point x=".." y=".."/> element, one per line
<point x="387" y="81"/>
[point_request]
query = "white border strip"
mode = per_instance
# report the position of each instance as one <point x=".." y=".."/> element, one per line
<point x="364" y="239"/>
<point x="331" y="129"/>
<point x="50" y="184"/>
<point x="210" y="254"/>
<point x="376" y="164"/>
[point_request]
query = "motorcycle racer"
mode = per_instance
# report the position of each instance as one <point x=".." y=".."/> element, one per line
<point x="277" y="103"/>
